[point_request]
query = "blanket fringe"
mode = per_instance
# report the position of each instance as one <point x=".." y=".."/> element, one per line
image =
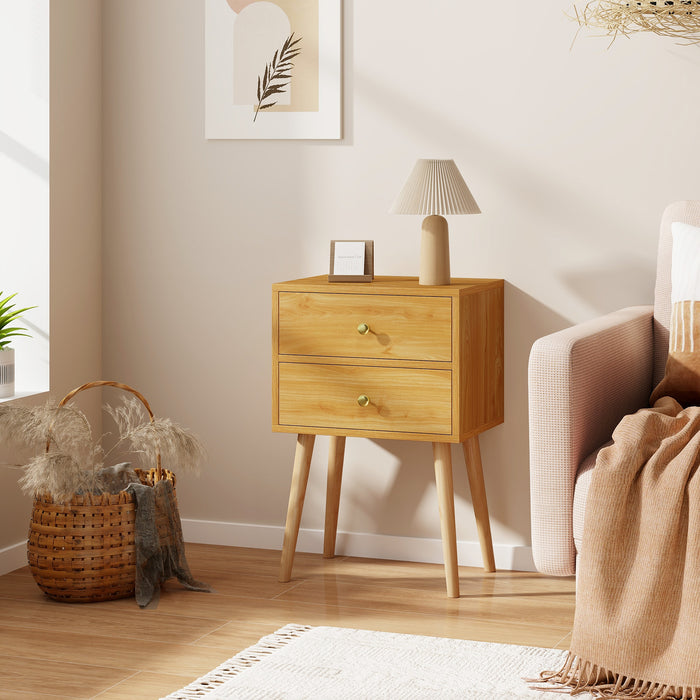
<point x="580" y="676"/>
<point x="239" y="663"/>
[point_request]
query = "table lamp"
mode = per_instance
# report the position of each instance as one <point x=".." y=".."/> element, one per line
<point x="435" y="188"/>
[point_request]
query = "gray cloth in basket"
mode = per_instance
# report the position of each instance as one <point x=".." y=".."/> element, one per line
<point x="117" y="478"/>
<point x="159" y="556"/>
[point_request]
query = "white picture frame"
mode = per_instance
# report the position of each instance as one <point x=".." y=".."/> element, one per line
<point x="308" y="102"/>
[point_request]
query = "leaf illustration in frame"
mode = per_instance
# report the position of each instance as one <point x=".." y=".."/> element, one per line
<point x="278" y="73"/>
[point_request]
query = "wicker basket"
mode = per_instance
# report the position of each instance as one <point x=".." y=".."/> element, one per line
<point x="84" y="551"/>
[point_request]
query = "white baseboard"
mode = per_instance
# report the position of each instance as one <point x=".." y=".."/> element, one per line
<point x="13" y="557"/>
<point x="354" y="544"/>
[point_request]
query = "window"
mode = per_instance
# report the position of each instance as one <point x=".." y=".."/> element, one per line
<point x="24" y="180"/>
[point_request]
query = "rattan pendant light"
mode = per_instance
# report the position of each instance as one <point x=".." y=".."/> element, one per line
<point x="679" y="19"/>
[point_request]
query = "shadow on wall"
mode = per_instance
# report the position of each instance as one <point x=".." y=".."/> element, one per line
<point x="601" y="285"/>
<point x="543" y="198"/>
<point x="526" y="320"/>
<point x="23" y="156"/>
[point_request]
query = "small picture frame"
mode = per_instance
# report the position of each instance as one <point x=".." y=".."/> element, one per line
<point x="352" y="261"/>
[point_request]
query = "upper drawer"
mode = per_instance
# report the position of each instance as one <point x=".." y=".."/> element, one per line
<point x="400" y="327"/>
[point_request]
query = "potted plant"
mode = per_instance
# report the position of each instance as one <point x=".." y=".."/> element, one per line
<point x="8" y="316"/>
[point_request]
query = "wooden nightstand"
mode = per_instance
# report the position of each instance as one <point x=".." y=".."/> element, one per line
<point x="389" y="359"/>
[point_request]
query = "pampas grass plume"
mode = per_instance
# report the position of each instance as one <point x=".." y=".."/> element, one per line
<point x="68" y="459"/>
<point x="179" y="449"/>
<point x="59" y="475"/>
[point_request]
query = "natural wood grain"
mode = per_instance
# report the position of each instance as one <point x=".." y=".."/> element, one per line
<point x="320" y="396"/>
<point x="55" y="650"/>
<point x="98" y="649"/>
<point x="474" y="340"/>
<point x="336" y="454"/>
<point x="383" y="284"/>
<point x="129" y="622"/>
<point x="480" y="404"/>
<point x="327" y="325"/>
<point x="331" y="377"/>
<point x="145" y="684"/>
<point x="472" y="458"/>
<point x="477" y="605"/>
<point x="443" y="624"/>
<point x="19" y="672"/>
<point x="443" y="479"/>
<point x="300" y="477"/>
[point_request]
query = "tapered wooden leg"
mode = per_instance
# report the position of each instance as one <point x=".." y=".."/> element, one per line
<point x="445" y="490"/>
<point x="336" y="454"/>
<point x="472" y="456"/>
<point x="300" y="477"/>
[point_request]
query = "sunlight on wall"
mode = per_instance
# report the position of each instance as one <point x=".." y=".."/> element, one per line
<point x="24" y="180"/>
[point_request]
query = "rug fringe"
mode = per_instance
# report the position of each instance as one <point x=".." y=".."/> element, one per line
<point x="239" y="663"/>
<point x="579" y="676"/>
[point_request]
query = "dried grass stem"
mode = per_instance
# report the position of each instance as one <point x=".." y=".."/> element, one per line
<point x="68" y="460"/>
<point x="679" y="19"/>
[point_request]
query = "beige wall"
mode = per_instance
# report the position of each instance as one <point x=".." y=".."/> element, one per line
<point x="75" y="221"/>
<point x="571" y="155"/>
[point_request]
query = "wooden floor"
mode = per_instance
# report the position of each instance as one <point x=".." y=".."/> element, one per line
<point x="116" y="651"/>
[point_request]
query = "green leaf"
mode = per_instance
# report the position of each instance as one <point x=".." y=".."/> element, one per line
<point x="5" y="303"/>
<point x="6" y="320"/>
<point x="7" y="332"/>
<point x="8" y="315"/>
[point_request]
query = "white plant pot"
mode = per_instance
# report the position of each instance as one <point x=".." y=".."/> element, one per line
<point x="7" y="373"/>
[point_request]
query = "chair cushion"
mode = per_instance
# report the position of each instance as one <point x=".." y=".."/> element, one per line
<point x="689" y="212"/>
<point x="682" y="373"/>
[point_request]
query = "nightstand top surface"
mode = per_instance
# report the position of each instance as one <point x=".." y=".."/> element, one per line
<point x="388" y="285"/>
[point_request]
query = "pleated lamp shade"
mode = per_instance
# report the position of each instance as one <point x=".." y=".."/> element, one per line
<point x="435" y="187"/>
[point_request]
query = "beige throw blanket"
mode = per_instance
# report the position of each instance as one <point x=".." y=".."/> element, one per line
<point x="637" y="625"/>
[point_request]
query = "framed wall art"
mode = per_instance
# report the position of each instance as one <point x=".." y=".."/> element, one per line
<point x="273" y="69"/>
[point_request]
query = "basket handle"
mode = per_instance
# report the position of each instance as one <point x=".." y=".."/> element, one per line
<point x="118" y="385"/>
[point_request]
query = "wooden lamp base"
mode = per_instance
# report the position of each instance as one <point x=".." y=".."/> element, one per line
<point x="434" y="251"/>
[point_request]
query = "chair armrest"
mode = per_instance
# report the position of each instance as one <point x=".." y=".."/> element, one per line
<point x="581" y="382"/>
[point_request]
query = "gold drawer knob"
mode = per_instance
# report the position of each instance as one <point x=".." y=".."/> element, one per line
<point x="363" y="329"/>
<point x="363" y="400"/>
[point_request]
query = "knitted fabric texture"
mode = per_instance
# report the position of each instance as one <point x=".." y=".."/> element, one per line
<point x="330" y="663"/>
<point x="160" y="550"/>
<point x="637" y="625"/>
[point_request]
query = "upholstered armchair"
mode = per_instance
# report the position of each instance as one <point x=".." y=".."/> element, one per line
<point x="582" y="381"/>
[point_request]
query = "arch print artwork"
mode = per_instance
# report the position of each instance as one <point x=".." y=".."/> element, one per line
<point x="273" y="69"/>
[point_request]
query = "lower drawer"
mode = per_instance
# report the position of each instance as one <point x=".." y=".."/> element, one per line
<point x="400" y="400"/>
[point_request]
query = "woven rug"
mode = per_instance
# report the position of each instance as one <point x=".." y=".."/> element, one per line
<point x="332" y="663"/>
